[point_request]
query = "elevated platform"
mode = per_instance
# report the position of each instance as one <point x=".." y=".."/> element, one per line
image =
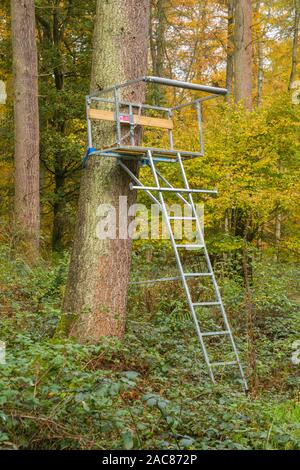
<point x="141" y="153"/>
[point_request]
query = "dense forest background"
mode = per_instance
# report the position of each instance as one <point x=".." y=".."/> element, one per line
<point x="144" y="391"/>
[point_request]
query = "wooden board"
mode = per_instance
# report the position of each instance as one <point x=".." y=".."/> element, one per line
<point x="146" y="121"/>
<point x="156" y="152"/>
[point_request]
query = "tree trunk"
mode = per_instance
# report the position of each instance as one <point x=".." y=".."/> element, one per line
<point x="251" y="321"/>
<point x="58" y="210"/>
<point x="278" y="223"/>
<point x="158" y="45"/>
<point x="230" y="48"/>
<point x="54" y="36"/>
<point x="158" y="26"/>
<point x="295" y="43"/>
<point x="260" y="60"/>
<point x="96" y="292"/>
<point x="243" y="53"/>
<point x="26" y="117"/>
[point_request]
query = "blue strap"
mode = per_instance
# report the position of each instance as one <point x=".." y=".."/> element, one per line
<point x="86" y="157"/>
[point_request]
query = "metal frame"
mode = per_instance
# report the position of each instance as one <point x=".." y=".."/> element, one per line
<point x="150" y="156"/>
<point x="167" y="82"/>
<point x="100" y="97"/>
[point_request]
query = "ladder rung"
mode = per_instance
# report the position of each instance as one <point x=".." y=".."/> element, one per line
<point x="216" y="333"/>
<point x="182" y="218"/>
<point x="206" y="304"/>
<point x="190" y="246"/>
<point x="217" y="364"/>
<point x="197" y="274"/>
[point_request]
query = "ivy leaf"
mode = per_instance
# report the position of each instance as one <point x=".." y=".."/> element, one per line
<point x="127" y="439"/>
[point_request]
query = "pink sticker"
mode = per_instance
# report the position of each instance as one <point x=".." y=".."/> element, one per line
<point x="124" y="118"/>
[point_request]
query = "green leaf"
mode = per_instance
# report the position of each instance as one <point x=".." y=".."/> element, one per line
<point x="127" y="439"/>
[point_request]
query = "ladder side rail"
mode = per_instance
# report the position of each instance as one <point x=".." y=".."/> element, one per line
<point x="215" y="284"/>
<point x="179" y="264"/>
<point x="170" y="186"/>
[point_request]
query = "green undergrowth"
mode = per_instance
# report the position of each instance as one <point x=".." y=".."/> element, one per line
<point x="150" y="391"/>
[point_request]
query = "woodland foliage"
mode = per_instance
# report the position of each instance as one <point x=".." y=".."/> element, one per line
<point x="145" y="392"/>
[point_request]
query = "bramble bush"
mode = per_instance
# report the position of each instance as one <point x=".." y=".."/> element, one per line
<point x="152" y="389"/>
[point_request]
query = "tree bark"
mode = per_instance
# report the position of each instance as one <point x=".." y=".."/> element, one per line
<point x="230" y="48"/>
<point x="251" y="321"/>
<point x="53" y="35"/>
<point x="158" y="26"/>
<point x="295" y="43"/>
<point x="158" y="16"/>
<point x="243" y="53"/>
<point x="260" y="60"/>
<point x="26" y="117"/>
<point x="96" y="292"/>
<point x="278" y="224"/>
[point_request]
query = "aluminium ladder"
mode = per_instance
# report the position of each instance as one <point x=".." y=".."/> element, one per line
<point x="201" y="248"/>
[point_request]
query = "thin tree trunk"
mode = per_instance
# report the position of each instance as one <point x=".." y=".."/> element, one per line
<point x="157" y="43"/>
<point x="54" y="36"/>
<point x="230" y="48"/>
<point x="278" y="223"/>
<point x="260" y="60"/>
<point x="295" y="43"/>
<point x="26" y="116"/>
<point x="260" y="242"/>
<point x="58" y="210"/>
<point x="158" y="67"/>
<point x="260" y="74"/>
<point x="243" y="53"/>
<point x="251" y="320"/>
<point x="96" y="293"/>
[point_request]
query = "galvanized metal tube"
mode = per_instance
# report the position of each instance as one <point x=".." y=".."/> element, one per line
<point x="132" y="175"/>
<point x="117" y="106"/>
<point x="186" y="85"/>
<point x="154" y="281"/>
<point x="127" y="103"/>
<point x="171" y="141"/>
<point x="167" y="82"/>
<point x="175" y="190"/>
<point x="89" y="124"/>
<point x="121" y="85"/>
<point x="200" y="128"/>
<point x="186" y="105"/>
<point x="170" y="186"/>
<point x="131" y="124"/>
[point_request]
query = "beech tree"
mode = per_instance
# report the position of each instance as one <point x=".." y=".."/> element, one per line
<point x="26" y="118"/>
<point x="230" y="46"/>
<point x="295" y="42"/>
<point x="96" y="293"/>
<point x="260" y="54"/>
<point x="243" y="53"/>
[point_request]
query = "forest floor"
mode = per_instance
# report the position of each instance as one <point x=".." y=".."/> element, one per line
<point x="152" y="390"/>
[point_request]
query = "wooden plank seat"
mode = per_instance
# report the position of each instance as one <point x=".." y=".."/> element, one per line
<point x="147" y="121"/>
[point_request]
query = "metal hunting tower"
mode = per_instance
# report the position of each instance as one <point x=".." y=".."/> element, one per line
<point x="128" y="119"/>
